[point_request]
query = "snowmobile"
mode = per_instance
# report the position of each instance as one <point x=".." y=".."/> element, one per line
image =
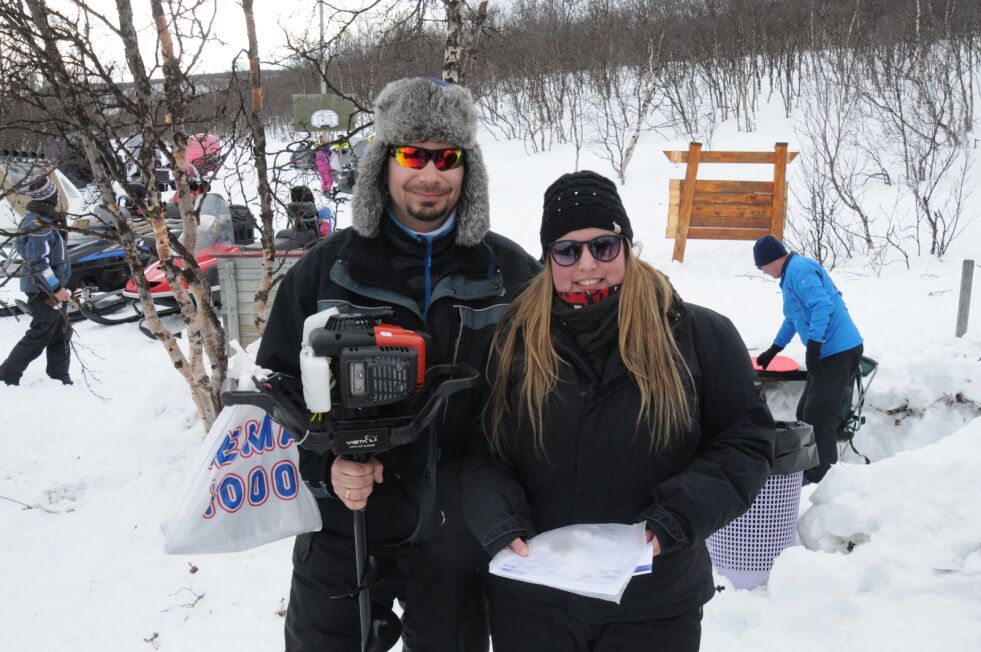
<point x="130" y="151"/>
<point x="221" y="229"/>
<point x="16" y="168"/>
<point x="306" y="222"/>
<point x="303" y="155"/>
<point x="100" y="272"/>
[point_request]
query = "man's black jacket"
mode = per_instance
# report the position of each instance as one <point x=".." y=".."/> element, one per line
<point x="470" y="288"/>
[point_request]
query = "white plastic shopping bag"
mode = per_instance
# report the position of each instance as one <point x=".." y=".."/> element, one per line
<point x="244" y="488"/>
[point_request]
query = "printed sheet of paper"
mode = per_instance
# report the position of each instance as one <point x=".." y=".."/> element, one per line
<point x="594" y="560"/>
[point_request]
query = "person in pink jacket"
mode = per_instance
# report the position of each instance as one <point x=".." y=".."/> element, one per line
<point x="323" y="166"/>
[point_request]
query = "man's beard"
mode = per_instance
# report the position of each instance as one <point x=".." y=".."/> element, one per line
<point x="428" y="211"/>
<point x="432" y="214"/>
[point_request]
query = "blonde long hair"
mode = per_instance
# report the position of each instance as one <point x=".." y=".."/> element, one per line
<point x="646" y="344"/>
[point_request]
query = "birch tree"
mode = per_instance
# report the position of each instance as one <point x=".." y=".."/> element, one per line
<point x="76" y="87"/>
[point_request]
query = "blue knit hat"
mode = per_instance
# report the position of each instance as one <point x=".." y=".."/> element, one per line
<point x="767" y="249"/>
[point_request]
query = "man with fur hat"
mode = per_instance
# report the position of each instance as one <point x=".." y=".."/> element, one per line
<point x="43" y="279"/>
<point x="813" y="308"/>
<point x="419" y="245"/>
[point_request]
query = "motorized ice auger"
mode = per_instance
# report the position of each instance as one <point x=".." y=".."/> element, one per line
<point x="365" y="389"/>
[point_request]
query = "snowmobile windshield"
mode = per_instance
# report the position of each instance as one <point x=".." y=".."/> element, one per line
<point x="101" y="218"/>
<point x="215" y="225"/>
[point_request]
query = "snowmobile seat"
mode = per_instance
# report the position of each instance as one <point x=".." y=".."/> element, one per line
<point x="173" y="215"/>
<point x="243" y="224"/>
<point x="289" y="239"/>
<point x="303" y="156"/>
<point x="164" y="179"/>
<point x="302" y="215"/>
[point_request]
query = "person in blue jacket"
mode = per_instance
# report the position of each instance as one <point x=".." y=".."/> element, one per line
<point x="43" y="279"/>
<point x="813" y="308"/>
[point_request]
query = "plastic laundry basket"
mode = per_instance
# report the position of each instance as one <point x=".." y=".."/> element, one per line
<point x="745" y="549"/>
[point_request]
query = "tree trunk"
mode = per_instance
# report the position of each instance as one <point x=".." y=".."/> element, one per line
<point x="258" y="129"/>
<point x="452" y="52"/>
<point x="205" y="332"/>
<point x="647" y="97"/>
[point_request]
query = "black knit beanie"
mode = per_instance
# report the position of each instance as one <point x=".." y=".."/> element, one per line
<point x="582" y="200"/>
<point x="767" y="249"/>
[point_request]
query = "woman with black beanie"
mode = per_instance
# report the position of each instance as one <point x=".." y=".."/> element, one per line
<point x="611" y="400"/>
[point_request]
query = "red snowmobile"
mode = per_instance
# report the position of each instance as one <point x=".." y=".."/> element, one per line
<point x="221" y="228"/>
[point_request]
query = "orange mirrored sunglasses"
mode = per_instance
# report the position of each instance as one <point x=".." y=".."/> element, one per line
<point x="417" y="157"/>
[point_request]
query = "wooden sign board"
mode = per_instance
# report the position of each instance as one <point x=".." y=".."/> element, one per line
<point x="726" y="210"/>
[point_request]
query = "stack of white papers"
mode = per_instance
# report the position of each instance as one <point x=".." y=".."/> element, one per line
<point x="594" y="560"/>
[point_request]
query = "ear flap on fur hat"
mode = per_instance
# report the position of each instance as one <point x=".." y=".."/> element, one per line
<point x="416" y="110"/>
<point x="473" y="209"/>
<point x="370" y="190"/>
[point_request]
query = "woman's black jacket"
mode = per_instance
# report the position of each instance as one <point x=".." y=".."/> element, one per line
<point x="599" y="467"/>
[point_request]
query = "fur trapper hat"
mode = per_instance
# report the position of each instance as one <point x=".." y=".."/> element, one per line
<point x="415" y="110"/>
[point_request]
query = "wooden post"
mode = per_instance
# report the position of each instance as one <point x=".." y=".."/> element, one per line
<point x="964" y="303"/>
<point x="687" y="195"/>
<point x="779" y="190"/>
<point x="229" y="299"/>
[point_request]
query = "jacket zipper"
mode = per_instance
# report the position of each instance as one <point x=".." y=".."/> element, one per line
<point x="429" y="279"/>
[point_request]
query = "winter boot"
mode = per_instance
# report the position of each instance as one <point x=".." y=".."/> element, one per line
<point x="8" y="377"/>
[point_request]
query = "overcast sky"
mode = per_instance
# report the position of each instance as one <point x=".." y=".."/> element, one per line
<point x="271" y="17"/>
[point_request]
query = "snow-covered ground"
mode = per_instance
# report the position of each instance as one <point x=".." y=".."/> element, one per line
<point x="89" y="472"/>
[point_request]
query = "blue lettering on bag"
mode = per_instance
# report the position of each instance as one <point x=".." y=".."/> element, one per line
<point x="231" y="493"/>
<point x="228" y="450"/>
<point x="258" y="486"/>
<point x="284" y="480"/>
<point x="210" y="512"/>
<point x="259" y="437"/>
<point x="285" y="438"/>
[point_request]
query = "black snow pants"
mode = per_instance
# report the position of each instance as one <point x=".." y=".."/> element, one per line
<point x="50" y="331"/>
<point x="437" y="583"/>
<point x="820" y="405"/>
<point x="516" y="629"/>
